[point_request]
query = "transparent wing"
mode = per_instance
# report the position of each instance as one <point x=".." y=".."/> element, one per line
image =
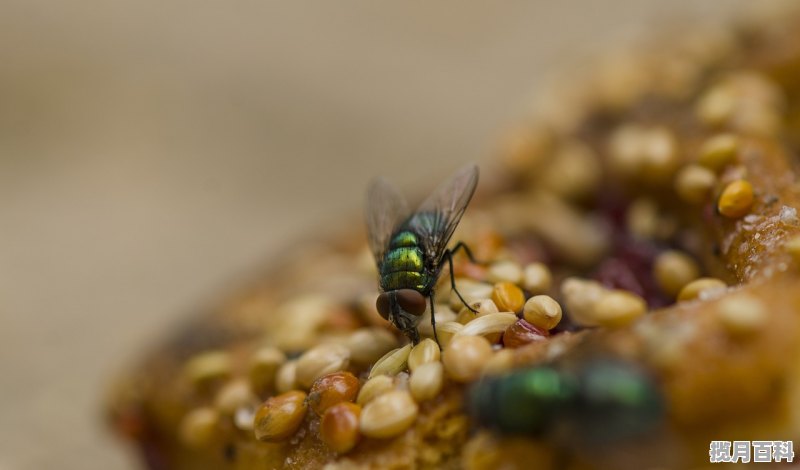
<point x="437" y="217"/>
<point x="386" y="210"/>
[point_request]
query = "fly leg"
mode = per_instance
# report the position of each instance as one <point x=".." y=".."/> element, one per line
<point x="449" y="255"/>
<point x="463" y="246"/>
<point x="433" y="322"/>
<point x="414" y="336"/>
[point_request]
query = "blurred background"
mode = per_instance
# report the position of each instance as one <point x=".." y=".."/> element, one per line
<point x="154" y="153"/>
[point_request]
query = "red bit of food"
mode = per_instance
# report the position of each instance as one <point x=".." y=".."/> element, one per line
<point x="521" y="333"/>
<point x="631" y="268"/>
<point x="613" y="207"/>
<point x="616" y="274"/>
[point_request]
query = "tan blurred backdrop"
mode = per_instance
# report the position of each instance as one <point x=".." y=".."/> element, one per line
<point x="151" y="152"/>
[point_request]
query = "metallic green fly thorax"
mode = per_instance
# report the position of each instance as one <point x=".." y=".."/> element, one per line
<point x="404" y="239"/>
<point x="403" y="265"/>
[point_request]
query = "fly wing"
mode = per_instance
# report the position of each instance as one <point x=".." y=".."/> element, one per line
<point x="437" y="217"/>
<point x="386" y="210"/>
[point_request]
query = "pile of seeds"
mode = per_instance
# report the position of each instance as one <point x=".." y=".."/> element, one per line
<point x="562" y="246"/>
<point x="362" y="380"/>
<point x="592" y="222"/>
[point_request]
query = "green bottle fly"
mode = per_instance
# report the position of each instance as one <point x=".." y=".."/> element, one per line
<point x="411" y="249"/>
<point x="600" y="401"/>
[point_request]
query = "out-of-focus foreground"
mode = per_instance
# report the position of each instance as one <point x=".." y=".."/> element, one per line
<point x="150" y="153"/>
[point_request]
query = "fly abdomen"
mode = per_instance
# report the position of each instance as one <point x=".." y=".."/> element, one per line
<point x="404" y="264"/>
<point x="403" y="268"/>
<point x="403" y="259"/>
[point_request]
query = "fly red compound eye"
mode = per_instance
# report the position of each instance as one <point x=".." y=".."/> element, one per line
<point x="411" y="301"/>
<point x="382" y="304"/>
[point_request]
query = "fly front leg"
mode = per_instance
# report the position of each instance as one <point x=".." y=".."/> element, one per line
<point x="433" y="321"/>
<point x="449" y="255"/>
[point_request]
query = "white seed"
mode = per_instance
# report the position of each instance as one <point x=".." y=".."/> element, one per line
<point x="401" y="381"/>
<point x="263" y="366"/>
<point x="536" y="278"/>
<point x="472" y="291"/>
<point x="483" y="306"/>
<point x="742" y="314"/>
<point x="642" y="218"/>
<point x="374" y="387"/>
<point x="321" y="360"/>
<point x="426" y="351"/>
<point x="443" y="314"/>
<point x="719" y="151"/>
<point x="426" y="381"/>
<point x="694" y="182"/>
<point x="625" y="149"/>
<point x="234" y="395"/>
<point x="199" y="427"/>
<point x="744" y="101"/>
<point x="573" y="173"/>
<point x="388" y="415"/>
<point x="661" y="155"/>
<point x="392" y="363"/>
<point x="504" y="271"/>
<point x="501" y="362"/>
<point x="646" y="153"/>
<point x="703" y="288"/>
<point x="466" y="356"/>
<point x="674" y="269"/>
<point x="716" y="105"/>
<point x="244" y="418"/>
<point x="367" y="345"/>
<point x="542" y="311"/>
<point x="208" y="366"/>
<point x="446" y="330"/>
<point x="591" y="304"/>
<point x="286" y="377"/>
<point x="300" y="321"/>
<point x="488" y="324"/>
<point x="618" y="308"/>
<point x="580" y="297"/>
